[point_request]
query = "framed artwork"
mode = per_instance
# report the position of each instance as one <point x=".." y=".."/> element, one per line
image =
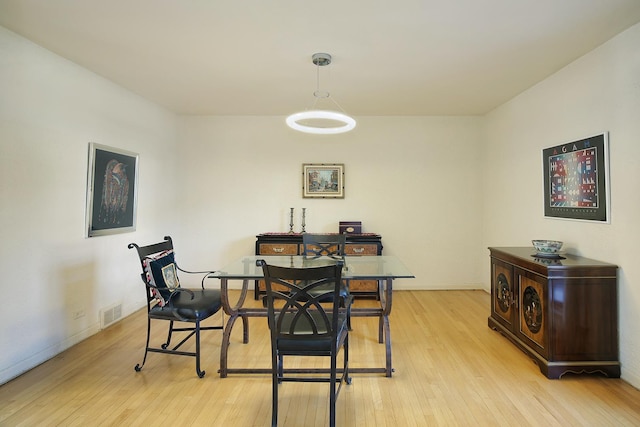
<point x="323" y="181"/>
<point x="112" y="182"/>
<point x="576" y="180"/>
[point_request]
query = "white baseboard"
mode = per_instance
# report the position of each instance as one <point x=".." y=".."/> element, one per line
<point x="34" y="360"/>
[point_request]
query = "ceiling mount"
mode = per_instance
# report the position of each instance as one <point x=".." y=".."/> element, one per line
<point x="321" y="59"/>
<point x="321" y="121"/>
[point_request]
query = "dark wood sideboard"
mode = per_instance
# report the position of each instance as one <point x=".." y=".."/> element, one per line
<point x="366" y="244"/>
<point x="561" y="312"/>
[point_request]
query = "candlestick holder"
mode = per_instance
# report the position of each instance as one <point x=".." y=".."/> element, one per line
<point x="303" y="215"/>
<point x="291" y="221"/>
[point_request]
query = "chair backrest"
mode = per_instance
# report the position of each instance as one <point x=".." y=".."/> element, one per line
<point x="159" y="269"/>
<point x="294" y="310"/>
<point x="145" y="251"/>
<point x="316" y="245"/>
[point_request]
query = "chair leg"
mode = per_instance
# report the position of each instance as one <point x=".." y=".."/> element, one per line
<point x="332" y="396"/>
<point x="346" y="376"/>
<point x="166" y="343"/>
<point x="276" y="362"/>
<point x="139" y="366"/>
<point x="280" y="368"/>
<point x="198" y="371"/>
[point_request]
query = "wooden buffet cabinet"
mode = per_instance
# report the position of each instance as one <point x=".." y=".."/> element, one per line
<point x="367" y="244"/>
<point x="562" y="312"/>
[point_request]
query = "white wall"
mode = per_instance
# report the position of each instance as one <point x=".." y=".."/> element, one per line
<point x="414" y="180"/>
<point x="599" y="92"/>
<point x="50" y="109"/>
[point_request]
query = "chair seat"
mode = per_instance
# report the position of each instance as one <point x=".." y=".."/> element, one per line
<point x="312" y="345"/>
<point x="323" y="293"/>
<point x="205" y="302"/>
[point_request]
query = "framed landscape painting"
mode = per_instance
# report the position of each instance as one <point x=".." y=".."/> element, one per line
<point x="576" y="180"/>
<point x="112" y="182"/>
<point x="323" y="180"/>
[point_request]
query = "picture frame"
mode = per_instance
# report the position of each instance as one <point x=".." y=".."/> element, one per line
<point x="112" y="190"/>
<point x="323" y="181"/>
<point x="576" y="180"/>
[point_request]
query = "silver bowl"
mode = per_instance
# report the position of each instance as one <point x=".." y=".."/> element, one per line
<point x="547" y="247"/>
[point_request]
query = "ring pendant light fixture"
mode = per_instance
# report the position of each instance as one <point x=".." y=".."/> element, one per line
<point x="321" y="121"/>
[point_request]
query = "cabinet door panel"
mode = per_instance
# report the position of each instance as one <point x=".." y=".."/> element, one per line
<point x="533" y="313"/>
<point x="502" y="301"/>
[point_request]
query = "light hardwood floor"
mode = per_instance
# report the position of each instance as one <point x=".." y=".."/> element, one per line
<point x="450" y="370"/>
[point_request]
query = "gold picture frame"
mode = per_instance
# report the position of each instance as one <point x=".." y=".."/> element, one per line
<point x="323" y="180"/>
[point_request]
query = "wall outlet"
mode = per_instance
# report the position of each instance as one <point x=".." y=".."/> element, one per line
<point x="78" y="314"/>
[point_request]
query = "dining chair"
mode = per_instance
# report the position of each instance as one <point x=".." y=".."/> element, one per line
<point x="317" y="245"/>
<point x="301" y="324"/>
<point x="168" y="301"/>
<point x="333" y="246"/>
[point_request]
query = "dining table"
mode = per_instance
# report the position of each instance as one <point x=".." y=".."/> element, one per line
<point x="383" y="268"/>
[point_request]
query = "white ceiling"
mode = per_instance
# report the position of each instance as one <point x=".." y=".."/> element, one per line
<point x="253" y="57"/>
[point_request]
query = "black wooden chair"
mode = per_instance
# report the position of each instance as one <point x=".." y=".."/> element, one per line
<point x="333" y="246"/>
<point x="327" y="245"/>
<point x="302" y="325"/>
<point x="166" y="300"/>
<point x="317" y="245"/>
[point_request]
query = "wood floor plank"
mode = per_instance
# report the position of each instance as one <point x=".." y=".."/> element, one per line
<point x="450" y="370"/>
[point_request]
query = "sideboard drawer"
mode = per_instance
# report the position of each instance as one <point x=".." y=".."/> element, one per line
<point x="278" y="249"/>
<point x="360" y="249"/>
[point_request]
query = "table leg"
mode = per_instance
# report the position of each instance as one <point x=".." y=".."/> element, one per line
<point x="384" y="326"/>
<point x="234" y="312"/>
<point x="381" y="298"/>
<point x="387" y="332"/>
<point x="224" y="347"/>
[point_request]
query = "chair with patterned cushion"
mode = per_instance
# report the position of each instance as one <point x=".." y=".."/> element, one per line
<point x="302" y="324"/>
<point x="167" y="301"/>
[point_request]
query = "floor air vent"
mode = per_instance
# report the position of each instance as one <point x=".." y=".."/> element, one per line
<point x="110" y="315"/>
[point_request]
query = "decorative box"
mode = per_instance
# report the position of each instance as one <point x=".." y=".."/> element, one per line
<point x="350" y="227"/>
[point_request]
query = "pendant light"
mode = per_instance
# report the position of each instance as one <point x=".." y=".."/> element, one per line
<point x="321" y="121"/>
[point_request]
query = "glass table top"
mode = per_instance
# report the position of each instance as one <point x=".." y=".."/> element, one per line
<point x="356" y="267"/>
